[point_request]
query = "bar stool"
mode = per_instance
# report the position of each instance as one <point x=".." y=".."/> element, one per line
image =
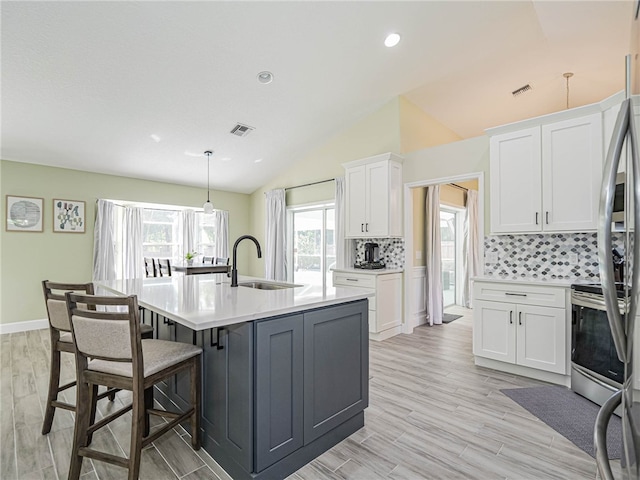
<point x="150" y="269"/>
<point x="111" y="351"/>
<point x="61" y="341"/>
<point x="211" y="260"/>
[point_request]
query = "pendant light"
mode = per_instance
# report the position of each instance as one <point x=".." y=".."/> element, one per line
<point x="208" y="206"/>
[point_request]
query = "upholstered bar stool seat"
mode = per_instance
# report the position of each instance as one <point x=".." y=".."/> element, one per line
<point x="62" y="341"/>
<point x="110" y="351"/>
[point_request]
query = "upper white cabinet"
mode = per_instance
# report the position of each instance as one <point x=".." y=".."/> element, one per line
<point x="374" y="197"/>
<point x="545" y="176"/>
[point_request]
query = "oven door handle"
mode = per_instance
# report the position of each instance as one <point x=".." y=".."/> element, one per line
<point x="605" y="217"/>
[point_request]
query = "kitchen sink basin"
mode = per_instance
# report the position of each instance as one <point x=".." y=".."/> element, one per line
<point x="267" y="285"/>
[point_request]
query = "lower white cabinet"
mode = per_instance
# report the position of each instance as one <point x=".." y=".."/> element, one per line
<point x="385" y="307"/>
<point x="526" y="327"/>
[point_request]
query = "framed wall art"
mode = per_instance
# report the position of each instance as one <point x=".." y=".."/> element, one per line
<point x="68" y="216"/>
<point x="24" y="214"/>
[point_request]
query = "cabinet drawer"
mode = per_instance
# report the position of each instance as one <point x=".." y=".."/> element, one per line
<point x="522" y="294"/>
<point x="354" y="280"/>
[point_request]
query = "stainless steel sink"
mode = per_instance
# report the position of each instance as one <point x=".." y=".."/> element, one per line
<point x="267" y="285"/>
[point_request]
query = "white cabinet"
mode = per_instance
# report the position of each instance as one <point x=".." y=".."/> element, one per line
<point x="374" y="197"/>
<point x="526" y="327"/>
<point x="385" y="307"/>
<point x="547" y="177"/>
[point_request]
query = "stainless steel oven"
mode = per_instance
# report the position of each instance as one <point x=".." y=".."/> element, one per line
<point x="596" y="371"/>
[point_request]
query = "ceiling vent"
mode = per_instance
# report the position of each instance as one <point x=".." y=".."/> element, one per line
<point x="241" y="130"/>
<point x="521" y="90"/>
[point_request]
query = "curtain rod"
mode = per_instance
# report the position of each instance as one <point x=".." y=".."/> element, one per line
<point x="309" y="184"/>
<point x="458" y="186"/>
<point x="156" y="209"/>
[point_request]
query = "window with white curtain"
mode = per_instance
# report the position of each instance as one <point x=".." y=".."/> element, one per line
<point x="163" y="233"/>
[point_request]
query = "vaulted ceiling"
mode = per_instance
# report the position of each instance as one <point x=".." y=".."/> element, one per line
<point x="85" y="85"/>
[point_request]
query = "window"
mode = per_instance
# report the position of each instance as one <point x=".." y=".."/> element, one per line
<point x="312" y="245"/>
<point x="163" y="232"/>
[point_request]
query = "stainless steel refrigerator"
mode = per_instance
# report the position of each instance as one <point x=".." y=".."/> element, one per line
<point x="623" y="155"/>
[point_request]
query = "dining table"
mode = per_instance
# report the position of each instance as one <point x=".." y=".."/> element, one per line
<point x="200" y="268"/>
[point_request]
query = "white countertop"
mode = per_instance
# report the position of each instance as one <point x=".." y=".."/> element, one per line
<point x="554" y="282"/>
<point x="200" y="302"/>
<point x="379" y="271"/>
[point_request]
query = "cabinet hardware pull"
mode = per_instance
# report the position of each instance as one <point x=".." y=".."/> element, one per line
<point x="217" y="342"/>
<point x="536" y="218"/>
<point x="511" y="317"/>
<point x="367" y="227"/>
<point x="519" y="318"/>
<point x="351" y="279"/>
<point x="547" y="216"/>
<point x="362" y="227"/>
<point x="515" y="294"/>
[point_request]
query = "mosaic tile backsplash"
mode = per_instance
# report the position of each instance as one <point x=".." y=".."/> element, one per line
<point x="544" y="255"/>
<point x="391" y="251"/>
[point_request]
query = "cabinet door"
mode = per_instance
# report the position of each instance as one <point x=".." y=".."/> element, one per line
<point x="356" y="213"/>
<point x="279" y="389"/>
<point x="336" y="360"/>
<point x="377" y="203"/>
<point x="515" y="188"/>
<point x="542" y="338"/>
<point x="388" y="302"/>
<point x="494" y="330"/>
<point x="572" y="172"/>
<point x="227" y="384"/>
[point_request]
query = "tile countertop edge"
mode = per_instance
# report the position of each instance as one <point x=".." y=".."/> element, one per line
<point x="551" y="282"/>
<point x="343" y="295"/>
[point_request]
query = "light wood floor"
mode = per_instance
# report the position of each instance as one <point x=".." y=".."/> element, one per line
<point x="432" y="414"/>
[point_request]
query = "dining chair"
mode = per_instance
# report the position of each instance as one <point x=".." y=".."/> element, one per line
<point x="61" y="341"/>
<point x="222" y="261"/>
<point x="163" y="266"/>
<point x="150" y="268"/>
<point x="210" y="260"/>
<point x="110" y="351"/>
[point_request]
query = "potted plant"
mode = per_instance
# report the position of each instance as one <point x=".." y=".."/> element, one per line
<point x="189" y="257"/>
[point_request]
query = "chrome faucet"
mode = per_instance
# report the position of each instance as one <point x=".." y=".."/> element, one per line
<point x="234" y="270"/>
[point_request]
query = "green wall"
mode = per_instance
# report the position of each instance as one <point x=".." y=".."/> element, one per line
<point x="27" y="258"/>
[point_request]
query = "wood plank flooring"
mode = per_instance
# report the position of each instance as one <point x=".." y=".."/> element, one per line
<point x="433" y="415"/>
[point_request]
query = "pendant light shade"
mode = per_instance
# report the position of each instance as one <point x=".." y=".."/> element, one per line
<point x="208" y="206"/>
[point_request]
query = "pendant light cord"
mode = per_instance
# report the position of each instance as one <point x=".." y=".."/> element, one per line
<point x="209" y="164"/>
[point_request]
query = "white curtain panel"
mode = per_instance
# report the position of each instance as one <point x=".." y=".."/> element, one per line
<point x="434" y="293"/>
<point x="222" y="233"/>
<point x="470" y="254"/>
<point x="104" y="249"/>
<point x="275" y="259"/>
<point x="344" y="247"/>
<point x="188" y="218"/>
<point x="132" y="243"/>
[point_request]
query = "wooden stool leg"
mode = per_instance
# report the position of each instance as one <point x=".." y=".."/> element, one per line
<point x="137" y="428"/>
<point x="54" y="383"/>
<point x="196" y="396"/>
<point x="148" y="405"/>
<point x="93" y="401"/>
<point x="83" y="414"/>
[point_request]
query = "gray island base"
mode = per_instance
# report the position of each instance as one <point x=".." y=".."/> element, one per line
<point x="285" y="371"/>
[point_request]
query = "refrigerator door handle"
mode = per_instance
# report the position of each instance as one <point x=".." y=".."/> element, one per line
<point x="605" y="217"/>
<point x="600" y="435"/>
<point x="635" y="279"/>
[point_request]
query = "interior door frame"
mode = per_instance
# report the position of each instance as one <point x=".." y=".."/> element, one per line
<point x="407" y="325"/>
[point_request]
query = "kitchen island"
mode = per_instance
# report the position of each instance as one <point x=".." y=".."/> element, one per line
<point x="285" y="370"/>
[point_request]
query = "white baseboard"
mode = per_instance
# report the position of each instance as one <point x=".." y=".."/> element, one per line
<point x="391" y="332"/>
<point x="16" y="327"/>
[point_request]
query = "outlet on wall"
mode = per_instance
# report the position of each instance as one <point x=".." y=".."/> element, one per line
<point x="491" y="257"/>
<point x="573" y="258"/>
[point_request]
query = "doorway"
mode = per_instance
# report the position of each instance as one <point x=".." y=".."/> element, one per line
<point x="455" y="284"/>
<point x="311" y="231"/>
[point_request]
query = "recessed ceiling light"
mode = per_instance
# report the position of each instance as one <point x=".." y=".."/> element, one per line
<point x="392" y="39"/>
<point x="155" y="138"/>
<point x="258" y="160"/>
<point x="265" y="77"/>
